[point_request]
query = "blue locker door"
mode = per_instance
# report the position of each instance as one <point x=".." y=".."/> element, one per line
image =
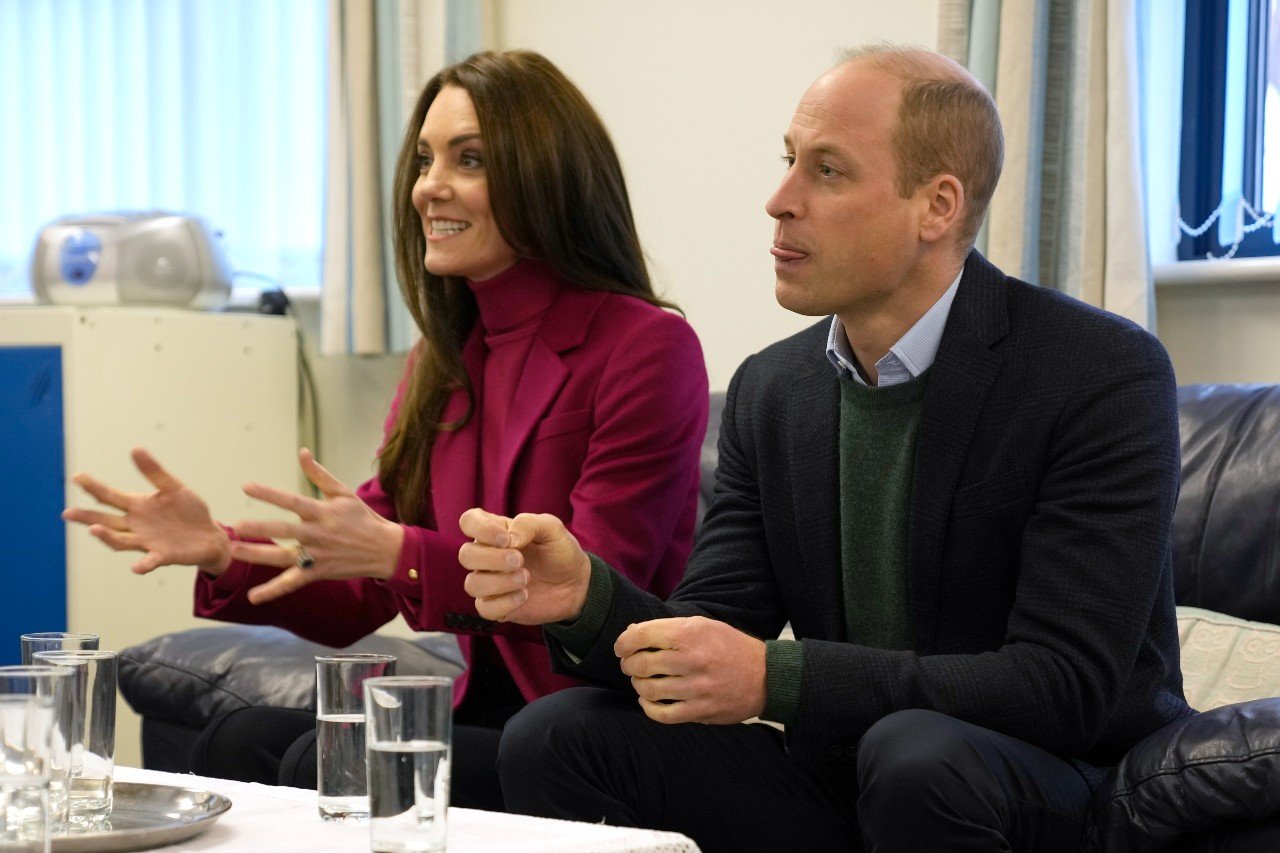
<point x="33" y="550"/>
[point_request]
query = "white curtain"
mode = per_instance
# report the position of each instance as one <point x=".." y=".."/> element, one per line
<point x="380" y="56"/>
<point x="1161" y="30"/>
<point x="1068" y="212"/>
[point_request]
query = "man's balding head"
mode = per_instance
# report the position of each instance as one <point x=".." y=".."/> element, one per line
<point x="947" y="124"/>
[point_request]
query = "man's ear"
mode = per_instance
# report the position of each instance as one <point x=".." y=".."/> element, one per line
<point x="945" y="198"/>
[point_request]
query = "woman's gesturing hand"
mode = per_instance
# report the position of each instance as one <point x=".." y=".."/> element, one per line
<point x="171" y="525"/>
<point x="342" y="537"/>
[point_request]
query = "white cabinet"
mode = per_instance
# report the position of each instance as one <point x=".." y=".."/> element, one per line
<point x="212" y="396"/>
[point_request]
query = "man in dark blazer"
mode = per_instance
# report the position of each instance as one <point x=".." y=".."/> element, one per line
<point x="958" y="490"/>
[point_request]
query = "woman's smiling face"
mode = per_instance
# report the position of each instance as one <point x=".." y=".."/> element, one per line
<point x="452" y="193"/>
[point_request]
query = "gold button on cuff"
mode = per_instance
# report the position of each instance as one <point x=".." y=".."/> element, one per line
<point x="413" y="574"/>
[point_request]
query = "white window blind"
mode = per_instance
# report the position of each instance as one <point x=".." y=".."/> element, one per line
<point x="207" y="107"/>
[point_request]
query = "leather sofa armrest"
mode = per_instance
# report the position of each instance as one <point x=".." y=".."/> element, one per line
<point x="191" y="677"/>
<point x="1193" y="775"/>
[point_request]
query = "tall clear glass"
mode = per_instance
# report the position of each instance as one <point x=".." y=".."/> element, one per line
<point x="410" y="720"/>
<point x="26" y="729"/>
<point x="341" y="783"/>
<point x="53" y="682"/>
<point x="55" y="641"/>
<point x="93" y="729"/>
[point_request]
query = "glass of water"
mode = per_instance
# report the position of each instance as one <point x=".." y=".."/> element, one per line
<point x="26" y="729"/>
<point x="340" y="762"/>
<point x="50" y="641"/>
<point x="93" y="729"/>
<point x="410" y="721"/>
<point x="54" y="683"/>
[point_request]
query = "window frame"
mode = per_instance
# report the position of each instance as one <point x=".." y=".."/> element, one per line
<point x="1200" y="191"/>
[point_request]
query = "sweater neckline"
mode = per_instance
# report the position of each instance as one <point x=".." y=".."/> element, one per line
<point x="515" y="298"/>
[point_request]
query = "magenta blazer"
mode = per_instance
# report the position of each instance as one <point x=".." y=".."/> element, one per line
<point x="612" y="411"/>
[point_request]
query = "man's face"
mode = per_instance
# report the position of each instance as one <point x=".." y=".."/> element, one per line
<point x="845" y="240"/>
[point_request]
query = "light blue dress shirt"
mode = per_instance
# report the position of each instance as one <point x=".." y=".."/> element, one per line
<point x="912" y="355"/>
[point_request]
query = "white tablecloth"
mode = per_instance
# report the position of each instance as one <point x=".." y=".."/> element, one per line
<point x="269" y="819"/>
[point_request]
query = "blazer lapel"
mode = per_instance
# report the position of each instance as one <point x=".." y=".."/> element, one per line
<point x="543" y="376"/>
<point x="959" y="381"/>
<point x="564" y="327"/>
<point x="455" y="454"/>
<point x="814" y="421"/>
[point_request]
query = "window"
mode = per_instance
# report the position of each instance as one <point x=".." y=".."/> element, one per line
<point x="1229" y="183"/>
<point x="208" y="108"/>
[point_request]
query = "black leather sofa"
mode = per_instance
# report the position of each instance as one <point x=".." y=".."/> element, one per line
<point x="1210" y="782"/>
<point x="180" y="682"/>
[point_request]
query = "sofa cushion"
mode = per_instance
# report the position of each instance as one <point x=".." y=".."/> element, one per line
<point x="191" y="677"/>
<point x="1225" y="536"/>
<point x="1226" y="660"/>
<point x="1191" y="776"/>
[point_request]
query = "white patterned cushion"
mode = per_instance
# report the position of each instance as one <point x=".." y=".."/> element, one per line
<point x="1227" y="660"/>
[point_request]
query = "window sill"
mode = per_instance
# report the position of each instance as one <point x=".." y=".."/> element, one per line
<point x="1234" y="271"/>
<point x="243" y="300"/>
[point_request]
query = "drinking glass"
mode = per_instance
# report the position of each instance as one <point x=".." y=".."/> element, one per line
<point x="340" y="762"/>
<point x="51" y="641"/>
<point x="53" y="682"/>
<point x="93" y="729"/>
<point x="410" y="730"/>
<point x="26" y="728"/>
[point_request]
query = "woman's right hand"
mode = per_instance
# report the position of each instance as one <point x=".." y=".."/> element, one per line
<point x="171" y="525"/>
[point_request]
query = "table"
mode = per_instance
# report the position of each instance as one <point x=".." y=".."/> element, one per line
<point x="274" y="819"/>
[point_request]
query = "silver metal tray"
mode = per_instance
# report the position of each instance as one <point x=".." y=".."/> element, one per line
<point x="145" y="816"/>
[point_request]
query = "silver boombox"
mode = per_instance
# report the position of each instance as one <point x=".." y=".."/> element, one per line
<point x="152" y="258"/>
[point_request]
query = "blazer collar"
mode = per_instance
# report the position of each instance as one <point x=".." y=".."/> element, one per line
<point x="455" y="457"/>
<point x="456" y="453"/>
<point x="814" y="464"/>
<point x="564" y="328"/>
<point x="566" y="324"/>
<point x="961" y="378"/>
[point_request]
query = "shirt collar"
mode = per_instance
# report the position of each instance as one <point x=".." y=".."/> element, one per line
<point x="913" y="353"/>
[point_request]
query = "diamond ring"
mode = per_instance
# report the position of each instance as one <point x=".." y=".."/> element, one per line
<point x="305" y="560"/>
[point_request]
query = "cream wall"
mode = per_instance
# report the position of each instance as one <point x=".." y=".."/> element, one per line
<point x="1221" y="332"/>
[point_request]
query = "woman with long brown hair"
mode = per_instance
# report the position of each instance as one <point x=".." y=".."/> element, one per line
<point x="549" y="378"/>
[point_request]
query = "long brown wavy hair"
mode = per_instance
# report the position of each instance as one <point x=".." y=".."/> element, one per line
<point x="557" y="195"/>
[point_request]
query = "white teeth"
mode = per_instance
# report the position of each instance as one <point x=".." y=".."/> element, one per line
<point x="448" y="226"/>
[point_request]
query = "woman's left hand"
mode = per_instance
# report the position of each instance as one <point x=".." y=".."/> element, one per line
<point x="340" y="534"/>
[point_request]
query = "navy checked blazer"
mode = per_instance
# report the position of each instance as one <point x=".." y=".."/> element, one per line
<point x="1039" y="535"/>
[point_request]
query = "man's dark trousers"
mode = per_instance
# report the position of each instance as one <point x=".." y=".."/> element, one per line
<point x="918" y="780"/>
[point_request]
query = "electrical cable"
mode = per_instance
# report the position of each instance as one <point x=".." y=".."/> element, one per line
<point x="274" y="301"/>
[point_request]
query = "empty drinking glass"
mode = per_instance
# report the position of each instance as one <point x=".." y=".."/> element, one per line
<point x="53" y="682"/>
<point x="26" y="727"/>
<point x="50" y="641"/>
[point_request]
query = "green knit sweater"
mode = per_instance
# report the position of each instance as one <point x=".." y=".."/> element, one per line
<point x="878" y="429"/>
